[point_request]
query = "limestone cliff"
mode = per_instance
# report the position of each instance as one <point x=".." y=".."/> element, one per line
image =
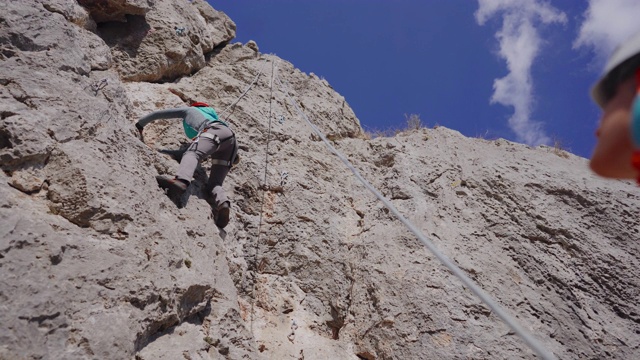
<point x="97" y="262"/>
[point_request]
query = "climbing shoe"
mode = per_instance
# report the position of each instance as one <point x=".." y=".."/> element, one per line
<point x="173" y="185"/>
<point x="222" y="215"/>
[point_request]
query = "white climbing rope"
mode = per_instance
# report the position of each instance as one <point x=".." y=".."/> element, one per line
<point x="510" y="321"/>
<point x="246" y="90"/>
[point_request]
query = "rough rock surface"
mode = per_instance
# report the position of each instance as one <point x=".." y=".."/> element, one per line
<point x="158" y="40"/>
<point x="98" y="263"/>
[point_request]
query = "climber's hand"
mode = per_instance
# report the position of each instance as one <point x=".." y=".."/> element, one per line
<point x="139" y="127"/>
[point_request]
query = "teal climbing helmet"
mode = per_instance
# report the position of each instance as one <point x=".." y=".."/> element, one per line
<point x="621" y="65"/>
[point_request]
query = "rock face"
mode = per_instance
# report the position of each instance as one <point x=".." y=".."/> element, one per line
<point x="98" y="263"/>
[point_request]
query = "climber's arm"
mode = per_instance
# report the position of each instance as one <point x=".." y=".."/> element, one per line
<point x="161" y="114"/>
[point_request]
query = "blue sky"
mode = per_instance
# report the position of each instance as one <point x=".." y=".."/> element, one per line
<point x="514" y="69"/>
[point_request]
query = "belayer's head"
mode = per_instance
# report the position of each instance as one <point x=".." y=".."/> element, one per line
<point x="200" y="104"/>
<point x="617" y="152"/>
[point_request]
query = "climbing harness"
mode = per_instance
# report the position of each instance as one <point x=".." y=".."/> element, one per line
<point x="213" y="137"/>
<point x="233" y="159"/>
<point x="209" y="114"/>
<point x="511" y="322"/>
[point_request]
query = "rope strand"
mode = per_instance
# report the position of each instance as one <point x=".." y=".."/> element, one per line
<point x="264" y="192"/>
<point x="245" y="90"/>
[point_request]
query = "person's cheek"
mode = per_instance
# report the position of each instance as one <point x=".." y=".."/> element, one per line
<point x="611" y="155"/>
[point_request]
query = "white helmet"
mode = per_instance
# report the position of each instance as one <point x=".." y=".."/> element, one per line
<point x="614" y="73"/>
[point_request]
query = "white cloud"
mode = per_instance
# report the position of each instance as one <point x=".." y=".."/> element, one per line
<point x="606" y="24"/>
<point x="520" y="43"/>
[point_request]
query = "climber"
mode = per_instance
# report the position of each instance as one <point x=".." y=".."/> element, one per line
<point x="617" y="153"/>
<point x="210" y="137"/>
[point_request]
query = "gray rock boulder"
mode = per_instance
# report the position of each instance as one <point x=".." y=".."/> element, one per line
<point x="159" y="41"/>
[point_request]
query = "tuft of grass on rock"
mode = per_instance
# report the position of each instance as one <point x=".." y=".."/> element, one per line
<point x="413" y="122"/>
<point x="559" y="150"/>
